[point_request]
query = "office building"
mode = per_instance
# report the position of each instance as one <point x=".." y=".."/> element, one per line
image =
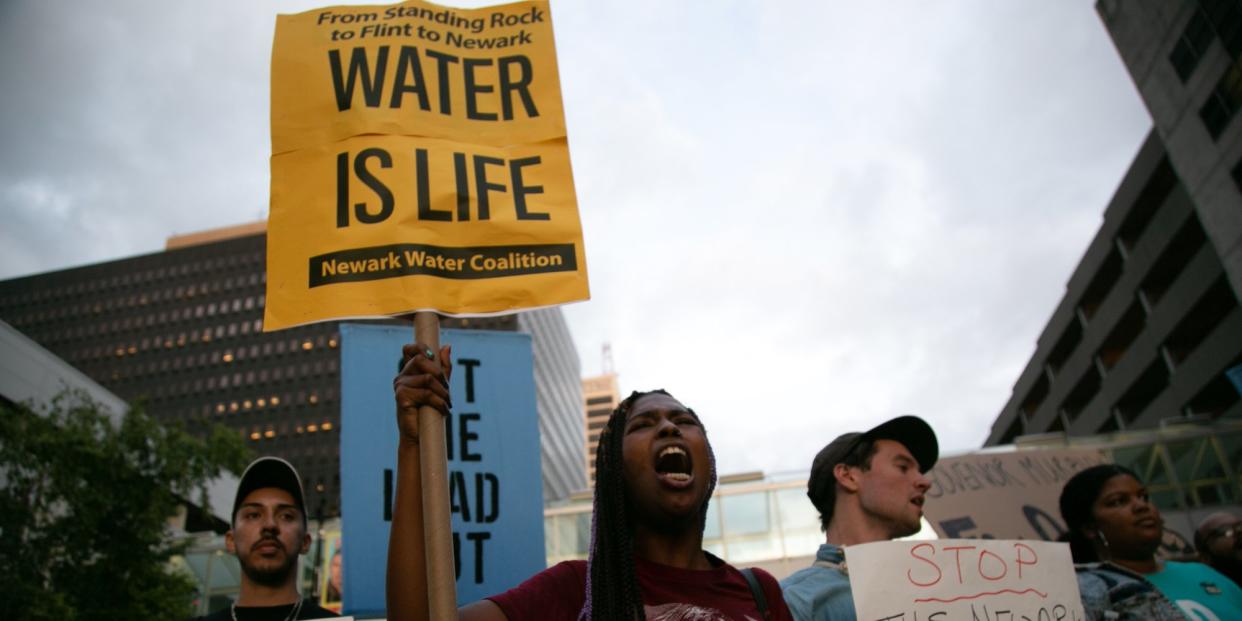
<point x="180" y="331"/>
<point x="1185" y="58"/>
<point x="1150" y="325"/>
<point x="557" y="398"/>
<point x="599" y="398"/>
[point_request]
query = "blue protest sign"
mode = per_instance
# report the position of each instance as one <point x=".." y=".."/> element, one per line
<point x="493" y="450"/>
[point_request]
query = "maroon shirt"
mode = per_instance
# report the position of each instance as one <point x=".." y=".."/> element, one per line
<point x="669" y="593"/>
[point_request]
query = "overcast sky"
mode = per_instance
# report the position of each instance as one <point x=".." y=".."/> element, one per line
<point x="802" y="218"/>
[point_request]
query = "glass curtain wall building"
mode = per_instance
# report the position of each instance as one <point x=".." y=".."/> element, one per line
<point x="751" y="521"/>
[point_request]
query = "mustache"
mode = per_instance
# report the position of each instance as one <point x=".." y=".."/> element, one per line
<point x="269" y="538"/>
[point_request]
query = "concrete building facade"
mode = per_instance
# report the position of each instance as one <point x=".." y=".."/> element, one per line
<point x="1185" y="58"/>
<point x="1150" y="323"/>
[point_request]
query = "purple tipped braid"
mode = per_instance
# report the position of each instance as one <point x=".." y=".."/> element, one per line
<point x="612" y="590"/>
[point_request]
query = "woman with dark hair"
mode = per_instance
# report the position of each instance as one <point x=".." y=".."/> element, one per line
<point x="655" y="473"/>
<point x="1114" y="531"/>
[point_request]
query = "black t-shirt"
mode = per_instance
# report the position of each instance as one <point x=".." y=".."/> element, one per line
<point x="310" y="610"/>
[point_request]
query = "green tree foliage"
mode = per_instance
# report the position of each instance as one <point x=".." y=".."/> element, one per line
<point x="85" y="503"/>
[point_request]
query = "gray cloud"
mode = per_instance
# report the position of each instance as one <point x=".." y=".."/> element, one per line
<point x="802" y="219"/>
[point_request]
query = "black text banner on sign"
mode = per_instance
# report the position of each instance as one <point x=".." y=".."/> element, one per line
<point x="419" y="163"/>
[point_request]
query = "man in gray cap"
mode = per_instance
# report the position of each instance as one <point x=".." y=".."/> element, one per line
<point x="268" y="535"/>
<point x="867" y="486"/>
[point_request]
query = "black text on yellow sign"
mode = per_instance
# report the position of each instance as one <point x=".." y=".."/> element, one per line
<point x="384" y="225"/>
<point x="484" y="75"/>
<point x="475" y="176"/>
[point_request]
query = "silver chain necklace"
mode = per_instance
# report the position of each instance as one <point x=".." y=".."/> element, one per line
<point x="293" y="614"/>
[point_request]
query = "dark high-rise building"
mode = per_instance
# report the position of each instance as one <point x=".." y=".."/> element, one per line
<point x="181" y="331"/>
<point x="1150" y="323"/>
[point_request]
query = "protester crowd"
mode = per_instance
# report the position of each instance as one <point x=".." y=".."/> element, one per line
<point x="655" y="475"/>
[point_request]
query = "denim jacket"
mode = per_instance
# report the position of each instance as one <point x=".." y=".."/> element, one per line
<point x="821" y="592"/>
<point x="1111" y="592"/>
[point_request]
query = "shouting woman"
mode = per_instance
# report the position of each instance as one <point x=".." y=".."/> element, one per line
<point x="655" y="473"/>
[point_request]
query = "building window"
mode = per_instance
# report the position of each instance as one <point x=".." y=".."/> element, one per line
<point x="1223" y="101"/>
<point x="1225" y="16"/>
<point x="1065" y="346"/>
<point x="1142" y="392"/>
<point x="1216" y="397"/>
<point x="1096" y="292"/>
<point x="1191" y="45"/>
<point x="1207" y="314"/>
<point x="1123" y="334"/>
<point x="1164" y="271"/>
<point x="1081" y="395"/>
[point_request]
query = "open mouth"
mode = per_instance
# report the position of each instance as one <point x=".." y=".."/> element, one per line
<point x="674" y="467"/>
<point x="918" y="501"/>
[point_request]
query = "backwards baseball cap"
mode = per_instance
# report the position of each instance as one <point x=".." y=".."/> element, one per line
<point x="270" y="472"/>
<point x="913" y="432"/>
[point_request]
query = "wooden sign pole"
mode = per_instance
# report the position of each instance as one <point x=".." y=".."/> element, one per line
<point x="437" y="528"/>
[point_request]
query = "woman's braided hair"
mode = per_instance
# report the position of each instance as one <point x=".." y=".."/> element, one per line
<point x="612" y="590"/>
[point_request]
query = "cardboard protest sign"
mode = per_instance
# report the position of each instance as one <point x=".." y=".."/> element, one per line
<point x="419" y="163"/>
<point x="963" y="579"/>
<point x="1003" y="495"/>
<point x="495" y="483"/>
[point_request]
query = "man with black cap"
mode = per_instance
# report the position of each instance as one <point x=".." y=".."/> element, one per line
<point x="268" y="534"/>
<point x="868" y="487"/>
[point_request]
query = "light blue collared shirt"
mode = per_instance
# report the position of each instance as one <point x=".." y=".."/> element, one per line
<point x="820" y="592"/>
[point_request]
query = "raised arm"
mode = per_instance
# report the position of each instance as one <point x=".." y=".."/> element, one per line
<point x="422" y="380"/>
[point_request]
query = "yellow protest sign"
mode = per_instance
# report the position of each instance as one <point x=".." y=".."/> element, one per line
<point x="485" y="75"/>
<point x="419" y="163"/>
<point x="383" y="225"/>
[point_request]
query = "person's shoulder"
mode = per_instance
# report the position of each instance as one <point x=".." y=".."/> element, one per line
<point x="562" y="574"/>
<point x="575" y="570"/>
<point x="1207" y="574"/>
<point x="1105" y="577"/>
<point x="763" y="575"/>
<point x="818" y="592"/>
<point x="1191" y="567"/>
<point x="814" y="574"/>
<point x="766" y="580"/>
<point x="1108" y="572"/>
<point x="772" y="592"/>
<point x="554" y="593"/>
<point x="1091" y="580"/>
